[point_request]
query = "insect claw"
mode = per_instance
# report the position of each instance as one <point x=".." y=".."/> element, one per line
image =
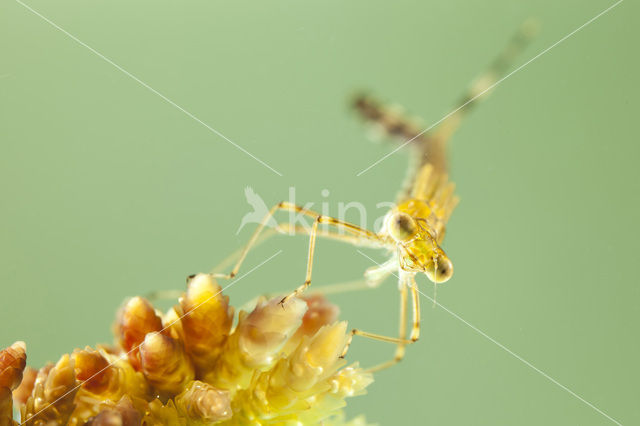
<point x="282" y="302"/>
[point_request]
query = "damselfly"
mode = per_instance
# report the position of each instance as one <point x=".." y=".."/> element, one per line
<point x="414" y="229"/>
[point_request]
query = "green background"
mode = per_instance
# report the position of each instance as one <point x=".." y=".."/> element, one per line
<point x="109" y="191"/>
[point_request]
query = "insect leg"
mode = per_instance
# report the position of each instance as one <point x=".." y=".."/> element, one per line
<point x="157" y="295"/>
<point x="415" y="301"/>
<point x="335" y="288"/>
<point x="400" y="347"/>
<point x="401" y="341"/>
<point x="250" y="244"/>
<point x="287" y="229"/>
<point x="357" y="235"/>
<point x="233" y="257"/>
<point x="319" y="219"/>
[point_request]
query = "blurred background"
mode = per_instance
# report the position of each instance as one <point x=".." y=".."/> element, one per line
<point x="109" y="191"/>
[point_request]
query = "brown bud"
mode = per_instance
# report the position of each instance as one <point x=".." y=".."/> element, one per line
<point x="104" y="377"/>
<point x="12" y="362"/>
<point x="165" y="364"/>
<point x="172" y="325"/>
<point x="6" y="407"/>
<point x="206" y="320"/>
<point x="53" y="394"/>
<point x="22" y="392"/>
<point x="320" y="312"/>
<point x="135" y="319"/>
<point x="93" y="370"/>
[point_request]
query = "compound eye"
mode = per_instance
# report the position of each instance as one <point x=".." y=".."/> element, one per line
<point x="442" y="272"/>
<point x="401" y="226"/>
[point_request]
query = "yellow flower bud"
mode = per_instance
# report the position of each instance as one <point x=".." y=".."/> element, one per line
<point x="288" y="387"/>
<point x="165" y="364"/>
<point x="104" y="377"/>
<point x="159" y="414"/>
<point x="22" y="392"/>
<point x="6" y="407"/>
<point x="206" y="320"/>
<point x="202" y="402"/>
<point x="320" y="312"/>
<point x="121" y="414"/>
<point x="279" y="365"/>
<point x="350" y="381"/>
<point x="12" y="362"/>
<point x="53" y="395"/>
<point x="134" y="320"/>
<point x="172" y="325"/>
<point x="256" y="341"/>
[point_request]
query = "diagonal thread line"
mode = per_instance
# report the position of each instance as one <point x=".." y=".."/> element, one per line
<point x="490" y="87"/>
<point x="509" y="351"/>
<point x="518" y="357"/>
<point x="142" y="83"/>
<point x="163" y="329"/>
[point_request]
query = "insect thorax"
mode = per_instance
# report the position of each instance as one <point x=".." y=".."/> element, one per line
<point x="426" y="215"/>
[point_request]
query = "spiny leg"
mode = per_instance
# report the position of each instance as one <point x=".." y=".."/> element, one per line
<point x="287" y="229"/>
<point x="319" y="219"/>
<point x="402" y="334"/>
<point x="154" y="296"/>
<point x="312" y="247"/>
<point x="401" y="341"/>
<point x="360" y="233"/>
<point x="374" y="277"/>
<point x="335" y="288"/>
<point x="250" y="244"/>
<point x="415" y="301"/>
<point x="233" y="257"/>
<point x="415" y="328"/>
